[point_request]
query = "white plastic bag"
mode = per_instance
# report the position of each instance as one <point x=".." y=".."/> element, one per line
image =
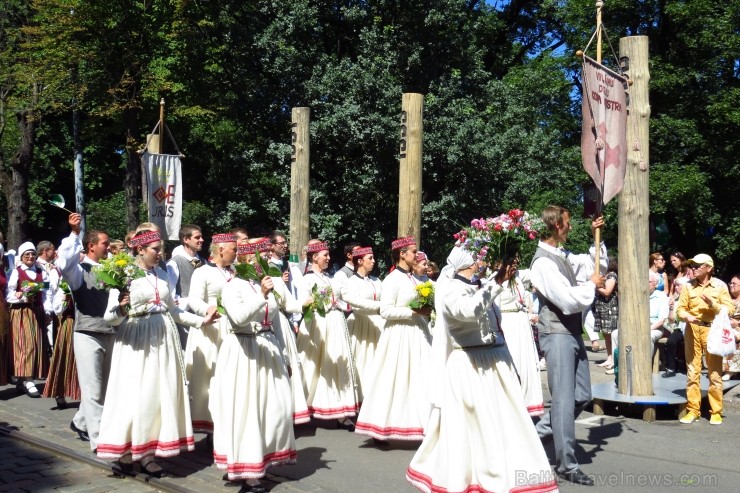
<point x="721" y="339"/>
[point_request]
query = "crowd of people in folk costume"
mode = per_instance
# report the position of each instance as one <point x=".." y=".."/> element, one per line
<point x="192" y="345"/>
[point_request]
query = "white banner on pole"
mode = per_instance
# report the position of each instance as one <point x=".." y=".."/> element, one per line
<point x="164" y="192"/>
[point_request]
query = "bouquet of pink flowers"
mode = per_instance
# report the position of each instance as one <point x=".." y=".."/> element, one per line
<point x="491" y="238"/>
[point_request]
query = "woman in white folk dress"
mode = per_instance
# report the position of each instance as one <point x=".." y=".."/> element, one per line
<point x="323" y="346"/>
<point x="514" y="302"/>
<point x="202" y="347"/>
<point x="283" y="329"/>
<point x="397" y="405"/>
<point x="362" y="292"/>
<point x="251" y="401"/>
<point x="146" y="412"/>
<point x="479" y="436"/>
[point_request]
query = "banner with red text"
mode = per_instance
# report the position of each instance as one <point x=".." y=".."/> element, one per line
<point x="604" y="131"/>
<point x="164" y="192"/>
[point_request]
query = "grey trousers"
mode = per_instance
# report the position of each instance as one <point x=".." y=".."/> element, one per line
<point x="93" y="354"/>
<point x="570" y="386"/>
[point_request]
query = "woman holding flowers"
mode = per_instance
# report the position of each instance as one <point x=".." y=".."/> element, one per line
<point x="362" y="292"/>
<point x="251" y="400"/>
<point x="62" y="381"/>
<point x="201" y="350"/>
<point x="29" y="303"/>
<point x="397" y="404"/>
<point x="147" y="411"/>
<point x="284" y="333"/>
<point x="479" y="436"/>
<point x="514" y="302"/>
<point x="323" y="345"/>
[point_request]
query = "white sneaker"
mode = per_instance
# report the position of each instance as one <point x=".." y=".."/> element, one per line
<point x="542" y="365"/>
<point x="725" y="377"/>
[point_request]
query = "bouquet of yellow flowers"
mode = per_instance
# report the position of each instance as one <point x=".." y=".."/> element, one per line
<point x="321" y="298"/>
<point x="118" y="272"/>
<point x="31" y="288"/>
<point x="424" y="296"/>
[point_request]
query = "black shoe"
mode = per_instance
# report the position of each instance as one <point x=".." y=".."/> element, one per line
<point x="153" y="469"/>
<point x="380" y="443"/>
<point x="669" y="373"/>
<point x="123" y="469"/>
<point x="254" y="488"/>
<point x="577" y="476"/>
<point x="31" y="390"/>
<point x="82" y="434"/>
<point x="61" y="403"/>
<point x="346" y="424"/>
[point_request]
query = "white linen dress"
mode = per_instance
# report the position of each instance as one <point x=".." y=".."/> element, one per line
<point x="397" y="404"/>
<point x="479" y="437"/>
<point x="147" y="411"/>
<point x="328" y="369"/>
<point x="201" y="351"/>
<point x="513" y="303"/>
<point x="286" y="338"/>
<point x="364" y="325"/>
<point x="251" y="401"/>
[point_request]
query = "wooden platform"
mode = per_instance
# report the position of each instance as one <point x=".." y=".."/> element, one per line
<point x="667" y="392"/>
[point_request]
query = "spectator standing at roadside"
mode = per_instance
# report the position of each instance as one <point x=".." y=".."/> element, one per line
<point x="700" y="301"/>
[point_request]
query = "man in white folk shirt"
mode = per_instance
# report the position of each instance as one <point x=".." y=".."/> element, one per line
<point x="562" y="303"/>
<point x="45" y="256"/>
<point x="185" y="259"/>
<point x="93" y="337"/>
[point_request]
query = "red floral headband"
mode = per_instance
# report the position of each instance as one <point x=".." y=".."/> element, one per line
<point x="317" y="247"/>
<point x="361" y="252"/>
<point x="403" y="242"/>
<point x="145" y="238"/>
<point x="224" y="238"/>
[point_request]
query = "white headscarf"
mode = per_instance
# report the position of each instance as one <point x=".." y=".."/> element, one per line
<point x="457" y="260"/>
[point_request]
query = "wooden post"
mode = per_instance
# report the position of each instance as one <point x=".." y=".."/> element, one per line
<point x="634" y="212"/>
<point x="161" y="126"/>
<point x="299" y="180"/>
<point x="409" y="179"/>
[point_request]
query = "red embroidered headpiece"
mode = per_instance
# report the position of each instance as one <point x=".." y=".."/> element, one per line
<point x="317" y="247"/>
<point x="264" y="245"/>
<point x="421" y="256"/>
<point x="145" y="239"/>
<point x="224" y="238"/>
<point x="403" y="242"/>
<point x="361" y="252"/>
<point x="246" y="248"/>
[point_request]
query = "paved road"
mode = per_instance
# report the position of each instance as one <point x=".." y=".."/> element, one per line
<point x="623" y="452"/>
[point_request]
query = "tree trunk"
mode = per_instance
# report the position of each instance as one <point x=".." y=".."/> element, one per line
<point x="132" y="182"/>
<point x="19" y="199"/>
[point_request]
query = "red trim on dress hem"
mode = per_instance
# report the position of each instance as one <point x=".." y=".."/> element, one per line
<point x="334" y="412"/>
<point x="141" y="450"/>
<point x="389" y="432"/>
<point x="424" y="482"/>
<point x="252" y="470"/>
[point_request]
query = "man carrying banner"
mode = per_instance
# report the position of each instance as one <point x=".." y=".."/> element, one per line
<point x="180" y="268"/>
<point x="562" y="302"/>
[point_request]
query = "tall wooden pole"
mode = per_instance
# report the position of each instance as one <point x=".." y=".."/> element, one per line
<point x="600" y="203"/>
<point x="409" y="181"/>
<point x="634" y="314"/>
<point x="161" y="126"/>
<point x="299" y="180"/>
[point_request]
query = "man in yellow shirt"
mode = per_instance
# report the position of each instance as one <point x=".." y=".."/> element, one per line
<point x="699" y="302"/>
